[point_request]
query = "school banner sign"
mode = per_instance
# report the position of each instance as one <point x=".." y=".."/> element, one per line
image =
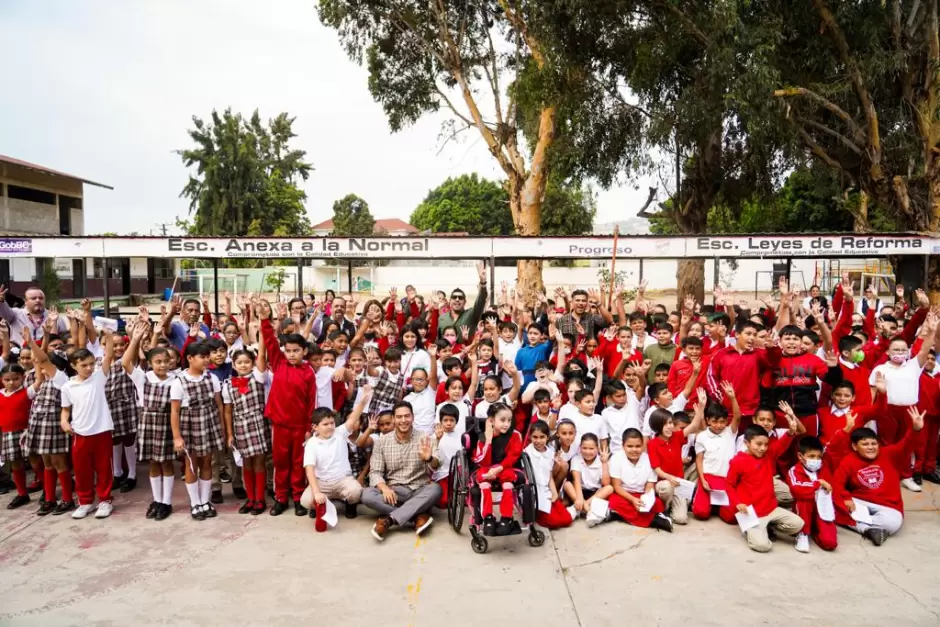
<point x="780" y="246"/>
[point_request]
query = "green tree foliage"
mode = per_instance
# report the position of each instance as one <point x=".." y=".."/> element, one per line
<point x="473" y="205"/>
<point x="352" y="218"/>
<point x="246" y="177"/>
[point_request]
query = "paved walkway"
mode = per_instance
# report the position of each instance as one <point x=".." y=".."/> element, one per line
<point x="244" y="570"/>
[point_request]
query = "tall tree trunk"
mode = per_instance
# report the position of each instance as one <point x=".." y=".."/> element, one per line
<point x="690" y="279"/>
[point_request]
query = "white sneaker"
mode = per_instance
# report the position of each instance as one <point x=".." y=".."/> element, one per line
<point x="911" y="485"/>
<point x="82" y="511"/>
<point x="104" y="509"/>
<point x="802" y="543"/>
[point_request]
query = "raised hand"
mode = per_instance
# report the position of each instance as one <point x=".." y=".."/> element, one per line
<point x="728" y="389"/>
<point x="481" y="272"/>
<point x="702" y="396"/>
<point x="921" y="297"/>
<point x="899" y="291"/>
<point x="424" y="449"/>
<point x="917" y="418"/>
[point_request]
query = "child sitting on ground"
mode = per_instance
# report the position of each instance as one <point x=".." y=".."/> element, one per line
<point x="665" y="454"/>
<point x="870" y="480"/>
<point x="750" y="483"/>
<point x="552" y="513"/>
<point x="326" y="461"/>
<point x="766" y="417"/>
<point x="806" y="479"/>
<point x="714" y="448"/>
<point x="496" y="457"/>
<point x="590" y="475"/>
<point x="632" y="477"/>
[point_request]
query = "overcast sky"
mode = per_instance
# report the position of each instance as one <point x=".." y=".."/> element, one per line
<point x="106" y="90"/>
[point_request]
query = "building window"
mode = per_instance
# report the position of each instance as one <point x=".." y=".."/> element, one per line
<point x="163" y="269"/>
<point x="44" y="266"/>
<point x="97" y="268"/>
<point x="33" y="195"/>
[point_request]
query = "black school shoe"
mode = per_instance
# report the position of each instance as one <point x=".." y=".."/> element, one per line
<point x="278" y="508"/>
<point x="216" y="497"/>
<point x="489" y="526"/>
<point x="128" y="485"/>
<point x="240" y="493"/>
<point x="933" y="477"/>
<point x="502" y="527"/>
<point x="46" y="508"/>
<point x="247" y="507"/>
<point x="197" y="512"/>
<point x="224" y="477"/>
<point x="209" y="510"/>
<point x="300" y="510"/>
<point x="63" y="507"/>
<point x="152" y="510"/>
<point x="918" y="479"/>
<point x="117" y="482"/>
<point x="18" y="501"/>
<point x="163" y="511"/>
<point x="661" y="522"/>
<point x="350" y="510"/>
<point x="877" y="536"/>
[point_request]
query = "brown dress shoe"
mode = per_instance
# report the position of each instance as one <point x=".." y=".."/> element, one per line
<point x="381" y="527"/>
<point x="422" y="522"/>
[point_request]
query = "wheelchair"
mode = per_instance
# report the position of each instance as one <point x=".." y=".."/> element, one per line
<point x="462" y="495"/>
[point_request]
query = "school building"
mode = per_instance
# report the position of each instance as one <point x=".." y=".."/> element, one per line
<point x="37" y="200"/>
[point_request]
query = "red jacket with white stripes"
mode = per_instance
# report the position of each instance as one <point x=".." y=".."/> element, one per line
<point x="802" y="486"/>
<point x="485" y="457"/>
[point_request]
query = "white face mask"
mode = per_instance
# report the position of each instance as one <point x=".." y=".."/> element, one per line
<point x="813" y="465"/>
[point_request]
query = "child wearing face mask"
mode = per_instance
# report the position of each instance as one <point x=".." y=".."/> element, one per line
<point x="807" y="479"/>
<point x="902" y="381"/>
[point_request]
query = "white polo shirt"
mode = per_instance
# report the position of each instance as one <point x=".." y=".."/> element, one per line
<point x="588" y="424"/>
<point x="591" y="474"/>
<point x="633" y="477"/>
<point x="425" y="411"/>
<point x="330" y="458"/>
<point x="90" y="412"/>
<point x="484" y="406"/>
<point x="903" y="382"/>
<point x="678" y="404"/>
<point x="718" y="449"/>
<point x="138" y="376"/>
<point x="448" y="446"/>
<point x="463" y="408"/>
<point x="616" y="421"/>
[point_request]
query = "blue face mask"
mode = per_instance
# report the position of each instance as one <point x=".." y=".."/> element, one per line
<point x="813" y="465"/>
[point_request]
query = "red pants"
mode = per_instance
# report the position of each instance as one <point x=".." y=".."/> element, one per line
<point x="287" y="454"/>
<point x="445" y="493"/>
<point x="91" y="459"/>
<point x="701" y="502"/>
<point x="556" y="519"/>
<point x="506" y="479"/>
<point x="925" y="446"/>
<point x="625" y="509"/>
<point x="892" y="428"/>
<point x="823" y="532"/>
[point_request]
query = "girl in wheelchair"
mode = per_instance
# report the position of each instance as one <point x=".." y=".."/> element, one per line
<point x="496" y="457"/>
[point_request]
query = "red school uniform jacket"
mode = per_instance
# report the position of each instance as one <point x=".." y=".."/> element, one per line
<point x="751" y="480"/>
<point x="802" y="486"/>
<point x="14" y="411"/>
<point x="742" y="371"/>
<point x="609" y="352"/>
<point x="877" y="481"/>
<point x="293" y="394"/>
<point x="667" y="454"/>
<point x="795" y="381"/>
<point x="487" y="456"/>
<point x="679" y="373"/>
<point x="830" y="425"/>
<point x="929" y="397"/>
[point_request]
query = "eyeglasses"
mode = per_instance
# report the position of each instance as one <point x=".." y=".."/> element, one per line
<point x="458" y="298"/>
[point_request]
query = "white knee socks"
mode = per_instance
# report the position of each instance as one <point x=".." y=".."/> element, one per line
<point x="193" y="489"/>
<point x="156" y="485"/>
<point x="205" y="489"/>
<point x="130" y="455"/>
<point x="168" y="489"/>
<point x="117" y="457"/>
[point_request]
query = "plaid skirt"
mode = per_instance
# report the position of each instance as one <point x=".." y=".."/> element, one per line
<point x="252" y="434"/>
<point x="45" y="436"/>
<point x="201" y="430"/>
<point x="125" y="417"/>
<point x="155" y="437"/>
<point x="10" y="449"/>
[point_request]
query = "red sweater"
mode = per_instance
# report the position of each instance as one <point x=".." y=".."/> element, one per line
<point x="929" y="397"/>
<point x="679" y="373"/>
<point x="14" y="411"/>
<point x="293" y="394"/>
<point x="609" y="351"/>
<point x="877" y="481"/>
<point x="830" y="425"/>
<point x="511" y="454"/>
<point x="742" y="371"/>
<point x="751" y="480"/>
<point x="667" y="454"/>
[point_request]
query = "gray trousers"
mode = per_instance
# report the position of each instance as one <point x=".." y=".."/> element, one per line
<point x="220" y="458"/>
<point x="410" y="502"/>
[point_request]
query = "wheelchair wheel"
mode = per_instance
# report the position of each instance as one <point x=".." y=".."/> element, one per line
<point x="536" y="537"/>
<point x="459" y="481"/>
<point x="479" y="544"/>
<point x="530" y="481"/>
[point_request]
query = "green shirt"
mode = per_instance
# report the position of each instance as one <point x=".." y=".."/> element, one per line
<point x="659" y="354"/>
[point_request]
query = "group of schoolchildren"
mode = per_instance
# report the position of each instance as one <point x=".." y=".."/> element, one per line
<point x="785" y="421"/>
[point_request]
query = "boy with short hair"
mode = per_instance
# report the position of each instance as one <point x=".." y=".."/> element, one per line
<point x="806" y="478"/>
<point x="663" y="352"/>
<point x="750" y="484"/>
<point x="85" y="414"/>
<point x="870" y="478"/>
<point x="682" y="369"/>
<point x="535" y="351"/>
<point x="632" y="476"/>
<point x="586" y="421"/>
<point x="622" y="411"/>
<point x="661" y="398"/>
<point x="326" y="461"/>
<point x="542" y="381"/>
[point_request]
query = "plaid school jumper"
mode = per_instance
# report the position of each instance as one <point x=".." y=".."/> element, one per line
<point x="200" y="423"/>
<point x="44" y="435"/>
<point x="252" y="436"/>
<point x="154" y="435"/>
<point x="122" y="401"/>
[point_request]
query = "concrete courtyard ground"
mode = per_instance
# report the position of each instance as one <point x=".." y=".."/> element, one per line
<point x="244" y="570"/>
